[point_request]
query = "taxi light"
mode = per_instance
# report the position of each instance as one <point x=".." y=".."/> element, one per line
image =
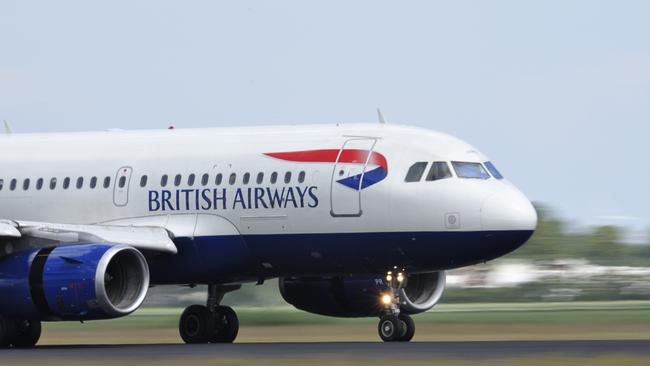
<point x="387" y="299"/>
<point x="400" y="277"/>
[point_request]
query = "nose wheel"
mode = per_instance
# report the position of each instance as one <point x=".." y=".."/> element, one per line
<point x="212" y="323"/>
<point x="399" y="328"/>
<point x="395" y="326"/>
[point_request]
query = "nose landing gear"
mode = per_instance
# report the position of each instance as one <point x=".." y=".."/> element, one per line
<point x="395" y="326"/>
<point x="212" y="323"/>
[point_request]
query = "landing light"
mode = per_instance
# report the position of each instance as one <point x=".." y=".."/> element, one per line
<point x="387" y="299"/>
<point x="400" y="277"/>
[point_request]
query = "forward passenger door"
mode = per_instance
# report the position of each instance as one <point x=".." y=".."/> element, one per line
<point x="350" y="167"/>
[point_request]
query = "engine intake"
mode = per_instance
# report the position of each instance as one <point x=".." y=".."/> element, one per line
<point x="360" y="296"/>
<point x="422" y="292"/>
<point x="122" y="281"/>
<point x="73" y="282"/>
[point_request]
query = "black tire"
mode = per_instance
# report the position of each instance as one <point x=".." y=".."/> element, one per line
<point x="390" y="328"/>
<point x="27" y="333"/>
<point x="225" y="325"/>
<point x="408" y="330"/>
<point x="194" y="325"/>
<point x="7" y="330"/>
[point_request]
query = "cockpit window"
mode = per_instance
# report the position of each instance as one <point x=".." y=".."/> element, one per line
<point x="470" y="170"/>
<point x="493" y="170"/>
<point x="439" y="170"/>
<point x="416" y="171"/>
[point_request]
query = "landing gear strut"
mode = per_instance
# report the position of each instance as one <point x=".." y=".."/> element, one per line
<point x="19" y="333"/>
<point x="395" y="326"/>
<point x="212" y="323"/>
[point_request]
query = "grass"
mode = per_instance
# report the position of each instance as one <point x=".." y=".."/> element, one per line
<point x="546" y="313"/>
<point x="592" y="320"/>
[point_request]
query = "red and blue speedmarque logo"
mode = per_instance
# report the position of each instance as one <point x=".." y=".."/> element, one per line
<point x="352" y="156"/>
<point x="374" y="165"/>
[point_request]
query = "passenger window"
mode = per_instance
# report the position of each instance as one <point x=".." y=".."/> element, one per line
<point x="93" y="182"/>
<point x="163" y="180"/>
<point x="190" y="179"/>
<point x="247" y="178"/>
<point x="470" y="170"/>
<point x="301" y="177"/>
<point x="493" y="170"/>
<point x="122" y="182"/>
<point x="143" y="181"/>
<point x="233" y="178"/>
<point x="107" y="182"/>
<point x="177" y="180"/>
<point x="66" y="183"/>
<point x="39" y="183"/>
<point x="260" y="178"/>
<point x="439" y="170"/>
<point x="80" y="182"/>
<point x="13" y="183"/>
<point x="287" y="177"/>
<point x="204" y="179"/>
<point x="415" y="172"/>
<point x="52" y="183"/>
<point x="218" y="179"/>
<point x="26" y="184"/>
<point x="274" y="177"/>
<point x="2" y="183"/>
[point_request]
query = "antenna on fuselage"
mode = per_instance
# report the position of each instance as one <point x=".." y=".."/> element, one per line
<point x="7" y="128"/>
<point x="381" y="117"/>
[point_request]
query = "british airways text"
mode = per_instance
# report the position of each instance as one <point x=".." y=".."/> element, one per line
<point x="233" y="199"/>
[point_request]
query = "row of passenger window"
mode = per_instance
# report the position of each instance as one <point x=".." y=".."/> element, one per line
<point x="191" y="179"/>
<point x="218" y="179"/>
<point x="40" y="182"/>
<point x="440" y="170"/>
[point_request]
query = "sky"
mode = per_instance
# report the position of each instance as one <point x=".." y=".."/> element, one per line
<point x="557" y="93"/>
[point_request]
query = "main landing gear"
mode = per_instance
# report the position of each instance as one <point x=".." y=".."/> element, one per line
<point x="393" y="325"/>
<point x="212" y="323"/>
<point x="19" y="333"/>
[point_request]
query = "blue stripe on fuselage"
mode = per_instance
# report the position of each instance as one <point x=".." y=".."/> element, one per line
<point x="230" y="258"/>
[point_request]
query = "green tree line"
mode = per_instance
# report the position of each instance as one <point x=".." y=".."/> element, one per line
<point x="602" y="245"/>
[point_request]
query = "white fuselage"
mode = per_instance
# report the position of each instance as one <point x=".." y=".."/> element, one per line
<point x="310" y="202"/>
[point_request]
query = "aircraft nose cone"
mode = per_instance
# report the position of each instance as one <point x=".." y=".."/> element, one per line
<point x="509" y="211"/>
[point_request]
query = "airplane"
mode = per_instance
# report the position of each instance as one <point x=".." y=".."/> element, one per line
<point x="356" y="220"/>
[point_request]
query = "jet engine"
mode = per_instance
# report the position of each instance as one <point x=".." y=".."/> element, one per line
<point x="360" y="296"/>
<point x="73" y="282"/>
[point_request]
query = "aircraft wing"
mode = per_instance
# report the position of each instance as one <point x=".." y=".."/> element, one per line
<point x="19" y="235"/>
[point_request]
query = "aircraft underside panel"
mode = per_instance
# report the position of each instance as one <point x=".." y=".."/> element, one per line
<point x="228" y="258"/>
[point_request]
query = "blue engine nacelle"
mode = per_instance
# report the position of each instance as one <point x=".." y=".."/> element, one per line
<point x="73" y="282"/>
<point x="351" y="297"/>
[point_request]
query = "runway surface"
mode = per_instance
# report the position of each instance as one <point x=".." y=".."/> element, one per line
<point x="414" y="351"/>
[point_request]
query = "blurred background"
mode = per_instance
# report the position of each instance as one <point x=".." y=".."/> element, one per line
<point x="556" y="93"/>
